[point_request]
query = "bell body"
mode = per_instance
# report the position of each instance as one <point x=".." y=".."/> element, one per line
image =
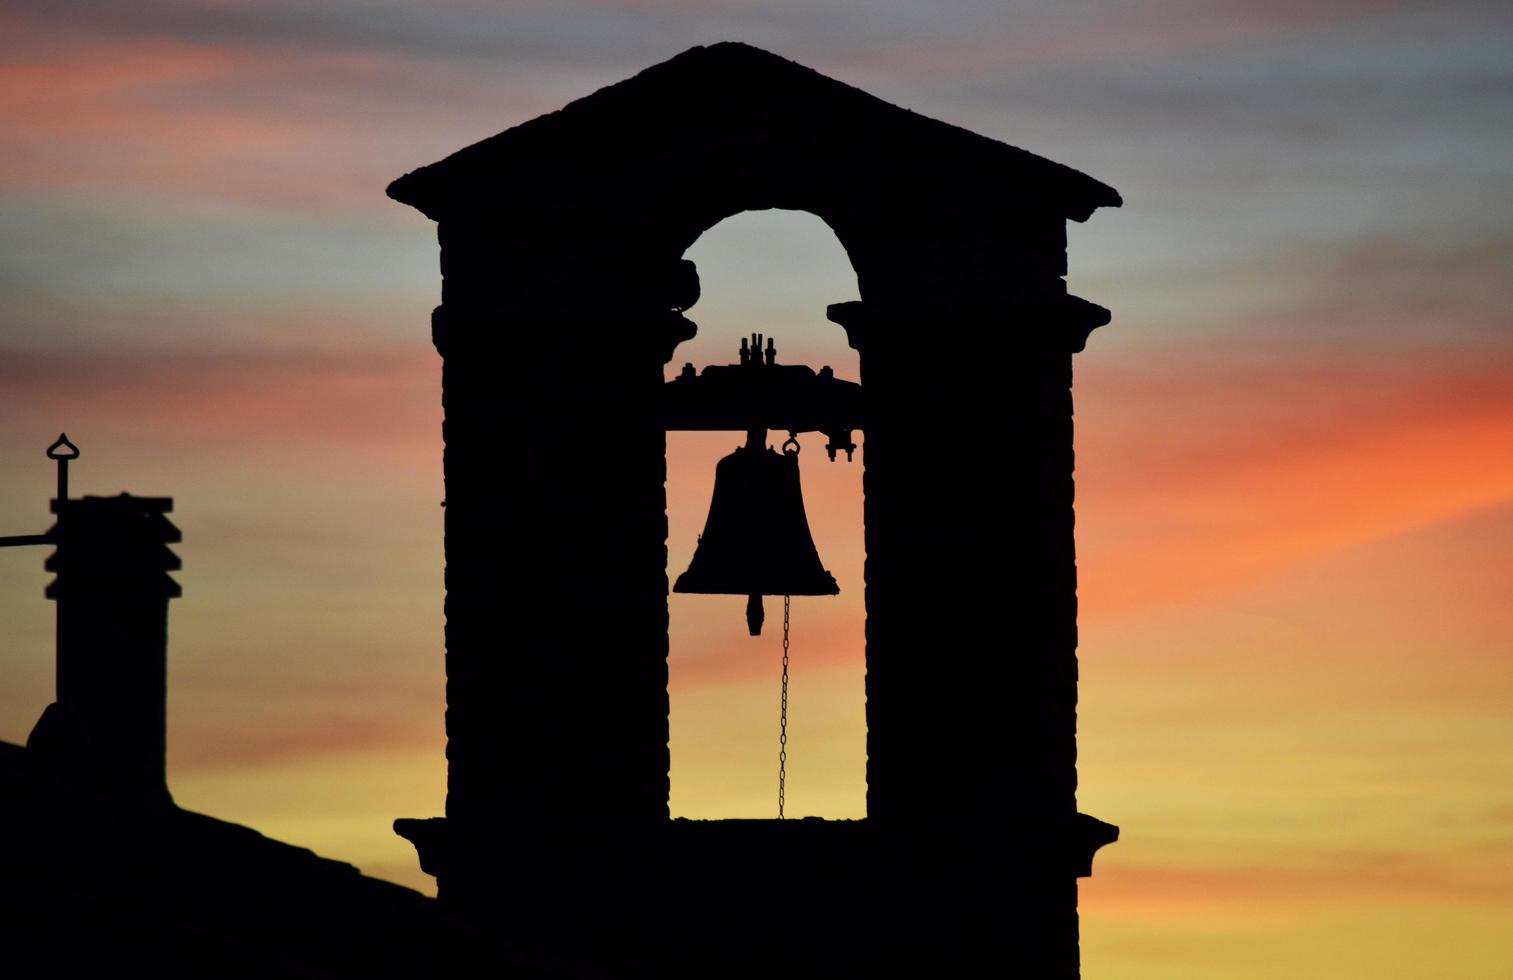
<point x="756" y="540"/>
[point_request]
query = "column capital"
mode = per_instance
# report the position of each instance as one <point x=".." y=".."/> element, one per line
<point x="1054" y="319"/>
<point x="655" y="331"/>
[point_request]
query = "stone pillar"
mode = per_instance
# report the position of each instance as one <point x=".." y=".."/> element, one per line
<point x="971" y="595"/>
<point x="108" y="728"/>
<point x="556" y="605"/>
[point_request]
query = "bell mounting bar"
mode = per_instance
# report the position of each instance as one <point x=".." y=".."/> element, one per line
<point x="759" y="393"/>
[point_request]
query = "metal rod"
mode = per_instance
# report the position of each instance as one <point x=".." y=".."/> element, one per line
<point x="20" y="540"/>
<point x="62" y="450"/>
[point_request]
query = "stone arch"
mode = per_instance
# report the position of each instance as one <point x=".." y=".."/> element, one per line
<point x="772" y="271"/>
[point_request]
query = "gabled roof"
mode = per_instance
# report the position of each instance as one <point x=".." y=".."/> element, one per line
<point x="728" y="102"/>
<point x="94" y="885"/>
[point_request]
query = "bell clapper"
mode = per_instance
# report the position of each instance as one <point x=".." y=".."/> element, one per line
<point x="755" y="614"/>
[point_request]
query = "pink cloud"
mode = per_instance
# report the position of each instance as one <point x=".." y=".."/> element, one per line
<point x="388" y="401"/>
<point x="250" y="122"/>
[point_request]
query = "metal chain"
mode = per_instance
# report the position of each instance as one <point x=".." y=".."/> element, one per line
<point x="783" y="720"/>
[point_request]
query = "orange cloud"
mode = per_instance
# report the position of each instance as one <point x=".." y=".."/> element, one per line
<point x="1175" y="891"/>
<point x="360" y="730"/>
<point x="717" y="648"/>
<point x="1208" y="474"/>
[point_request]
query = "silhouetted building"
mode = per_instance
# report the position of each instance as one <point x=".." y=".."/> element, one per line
<point x="563" y="295"/>
<point x="101" y="875"/>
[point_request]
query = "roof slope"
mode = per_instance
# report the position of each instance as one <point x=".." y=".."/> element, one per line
<point x="735" y="97"/>
<point x="91" y="887"/>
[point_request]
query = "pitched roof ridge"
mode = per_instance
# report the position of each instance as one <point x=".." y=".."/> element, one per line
<point x="734" y="70"/>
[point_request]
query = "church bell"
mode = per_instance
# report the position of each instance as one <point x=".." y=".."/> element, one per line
<point x="756" y="540"/>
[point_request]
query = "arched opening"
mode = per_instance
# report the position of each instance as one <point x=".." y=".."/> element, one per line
<point x="771" y="272"/>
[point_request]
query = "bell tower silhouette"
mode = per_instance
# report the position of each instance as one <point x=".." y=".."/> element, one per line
<point x="564" y="294"/>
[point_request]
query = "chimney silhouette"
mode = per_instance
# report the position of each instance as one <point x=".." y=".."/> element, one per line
<point x="107" y="730"/>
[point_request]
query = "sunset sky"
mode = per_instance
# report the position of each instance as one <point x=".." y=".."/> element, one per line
<point x="1294" y="442"/>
